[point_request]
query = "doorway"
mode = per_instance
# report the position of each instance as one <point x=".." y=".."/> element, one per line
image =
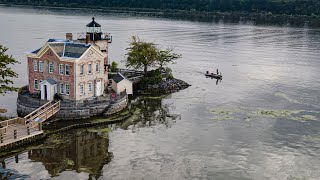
<point x="45" y="92"/>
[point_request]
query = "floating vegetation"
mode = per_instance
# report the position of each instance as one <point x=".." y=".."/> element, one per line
<point x="274" y="113"/>
<point x="221" y="114"/>
<point x="248" y="115"/>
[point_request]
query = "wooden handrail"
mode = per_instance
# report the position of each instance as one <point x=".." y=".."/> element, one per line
<point x="26" y="117"/>
<point x="45" y="111"/>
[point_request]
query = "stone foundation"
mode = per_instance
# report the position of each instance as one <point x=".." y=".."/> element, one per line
<point x="71" y="110"/>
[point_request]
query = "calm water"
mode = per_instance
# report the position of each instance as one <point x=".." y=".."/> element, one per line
<point x="261" y="122"/>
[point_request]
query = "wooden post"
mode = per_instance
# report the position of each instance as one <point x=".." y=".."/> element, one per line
<point x="40" y="126"/>
<point x="15" y="134"/>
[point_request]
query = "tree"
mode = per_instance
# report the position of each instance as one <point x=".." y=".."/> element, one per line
<point x="166" y="56"/>
<point x="6" y="72"/>
<point x="141" y="54"/>
<point x="145" y="54"/>
<point x="114" y="66"/>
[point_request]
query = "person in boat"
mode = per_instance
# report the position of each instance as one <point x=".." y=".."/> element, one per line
<point x="217" y="72"/>
<point x="207" y="72"/>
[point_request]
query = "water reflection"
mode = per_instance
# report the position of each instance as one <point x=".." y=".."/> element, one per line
<point x="149" y="111"/>
<point x="84" y="151"/>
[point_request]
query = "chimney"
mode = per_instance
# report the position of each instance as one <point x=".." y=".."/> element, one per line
<point x="69" y="36"/>
<point x="87" y="38"/>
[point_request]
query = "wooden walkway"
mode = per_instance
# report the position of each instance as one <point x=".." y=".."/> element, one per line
<point x="17" y="129"/>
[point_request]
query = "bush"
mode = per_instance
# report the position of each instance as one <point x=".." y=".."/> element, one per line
<point x="58" y="97"/>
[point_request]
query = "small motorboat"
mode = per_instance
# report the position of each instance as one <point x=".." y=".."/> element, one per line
<point x="213" y="75"/>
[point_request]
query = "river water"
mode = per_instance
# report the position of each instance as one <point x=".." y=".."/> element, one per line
<point x="262" y="121"/>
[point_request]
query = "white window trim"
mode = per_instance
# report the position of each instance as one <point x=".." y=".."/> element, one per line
<point x="65" y="70"/>
<point x="61" y="85"/>
<point x="61" y="71"/>
<point x="97" y="63"/>
<point x="35" y="65"/>
<point x="90" y="89"/>
<point x="41" y="69"/>
<point x="50" y="63"/>
<point x="67" y="93"/>
<point x="89" y="69"/>
<point x="81" y="73"/>
<point x="82" y="93"/>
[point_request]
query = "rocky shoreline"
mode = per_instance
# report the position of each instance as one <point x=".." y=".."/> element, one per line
<point x="165" y="87"/>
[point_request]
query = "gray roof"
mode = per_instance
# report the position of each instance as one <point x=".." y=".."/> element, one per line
<point x="51" y="81"/>
<point x="69" y="49"/>
<point x="58" y="40"/>
<point x="117" y="78"/>
<point x="36" y="51"/>
<point x="93" y="23"/>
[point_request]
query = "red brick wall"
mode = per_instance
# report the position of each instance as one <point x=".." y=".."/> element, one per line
<point x="47" y="57"/>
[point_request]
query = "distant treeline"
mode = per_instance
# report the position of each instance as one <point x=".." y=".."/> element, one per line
<point x="294" y="7"/>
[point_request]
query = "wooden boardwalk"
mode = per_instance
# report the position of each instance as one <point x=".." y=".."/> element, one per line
<point x="18" y="129"/>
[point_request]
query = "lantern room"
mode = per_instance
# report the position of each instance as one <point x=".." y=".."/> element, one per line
<point x="94" y="30"/>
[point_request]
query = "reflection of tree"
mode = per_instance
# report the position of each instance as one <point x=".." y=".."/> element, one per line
<point x="150" y="111"/>
<point x="85" y="152"/>
<point x="11" y="174"/>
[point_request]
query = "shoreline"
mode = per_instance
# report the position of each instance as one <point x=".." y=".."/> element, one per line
<point x="257" y="18"/>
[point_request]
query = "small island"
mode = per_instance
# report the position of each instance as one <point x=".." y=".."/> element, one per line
<point x="71" y="79"/>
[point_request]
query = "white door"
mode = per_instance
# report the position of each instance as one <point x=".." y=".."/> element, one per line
<point x="98" y="88"/>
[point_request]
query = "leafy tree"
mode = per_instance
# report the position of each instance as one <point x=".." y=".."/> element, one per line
<point x="114" y="66"/>
<point x="141" y="54"/>
<point x="145" y="54"/>
<point x="6" y="72"/>
<point x="166" y="56"/>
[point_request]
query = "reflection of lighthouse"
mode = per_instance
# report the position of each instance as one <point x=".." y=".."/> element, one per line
<point x="86" y="152"/>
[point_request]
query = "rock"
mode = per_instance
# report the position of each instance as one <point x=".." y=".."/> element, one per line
<point x="165" y="87"/>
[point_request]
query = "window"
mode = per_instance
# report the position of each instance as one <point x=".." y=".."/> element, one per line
<point x="35" y="67"/>
<point x="51" y="67"/>
<point x="67" y="69"/>
<point x="67" y="89"/>
<point x="81" y="89"/>
<point x="61" y="69"/>
<point x="97" y="67"/>
<point x="89" y="68"/>
<point x="81" y="69"/>
<point x="90" y="86"/>
<point x="61" y="88"/>
<point x="40" y="66"/>
<point x="36" y="85"/>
